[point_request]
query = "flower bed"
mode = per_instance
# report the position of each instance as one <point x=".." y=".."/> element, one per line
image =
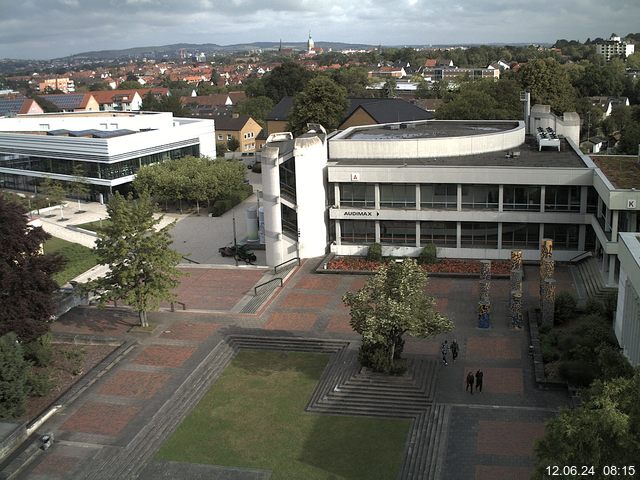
<point x="445" y="265"/>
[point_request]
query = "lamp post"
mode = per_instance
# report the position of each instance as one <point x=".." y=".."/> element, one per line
<point x="235" y="241"/>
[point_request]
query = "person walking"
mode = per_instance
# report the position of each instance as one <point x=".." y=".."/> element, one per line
<point x="469" y="383"/>
<point x="479" y="376"/>
<point x="454" y="350"/>
<point x="445" y="351"/>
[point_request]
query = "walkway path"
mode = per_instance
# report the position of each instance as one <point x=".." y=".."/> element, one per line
<point x="484" y="435"/>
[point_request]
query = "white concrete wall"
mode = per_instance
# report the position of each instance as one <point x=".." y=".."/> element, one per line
<point x="627" y="321"/>
<point x="311" y="161"/>
<point x="275" y="245"/>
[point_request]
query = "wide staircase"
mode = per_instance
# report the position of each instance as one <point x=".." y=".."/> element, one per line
<point x="592" y="279"/>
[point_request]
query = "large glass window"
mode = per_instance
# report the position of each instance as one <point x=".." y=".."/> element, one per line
<point x="357" y="195"/>
<point x="592" y="200"/>
<point x="397" y="195"/>
<point x="439" y="196"/>
<point x="479" y="235"/>
<point x="521" y="197"/>
<point x="357" y="231"/>
<point x="559" y="198"/>
<point x="480" y="197"/>
<point x="520" y="235"/>
<point x="289" y="219"/>
<point x="442" y="234"/>
<point x="288" y="178"/>
<point x="398" y="233"/>
<point x="565" y="237"/>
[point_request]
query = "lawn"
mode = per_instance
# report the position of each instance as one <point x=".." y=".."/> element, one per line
<point x="94" y="226"/>
<point x="79" y="258"/>
<point x="254" y="417"/>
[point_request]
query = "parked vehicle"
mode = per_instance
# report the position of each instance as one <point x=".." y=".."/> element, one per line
<point x="241" y="252"/>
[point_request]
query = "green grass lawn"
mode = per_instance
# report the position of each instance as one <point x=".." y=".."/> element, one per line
<point x="254" y="417"/>
<point x="93" y="226"/>
<point x="79" y="258"/>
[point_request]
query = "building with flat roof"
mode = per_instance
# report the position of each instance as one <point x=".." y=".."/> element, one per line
<point x="110" y="147"/>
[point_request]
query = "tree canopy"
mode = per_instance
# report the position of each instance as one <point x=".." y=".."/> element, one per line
<point x="391" y="304"/>
<point x="604" y="430"/>
<point x="284" y="80"/>
<point x="26" y="286"/>
<point x="142" y="266"/>
<point x="484" y="100"/>
<point x="549" y="84"/>
<point x="322" y="101"/>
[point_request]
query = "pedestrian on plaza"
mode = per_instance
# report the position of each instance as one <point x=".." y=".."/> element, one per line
<point x="454" y="350"/>
<point x="469" y="383"/>
<point x="445" y="351"/>
<point x="479" y="376"/>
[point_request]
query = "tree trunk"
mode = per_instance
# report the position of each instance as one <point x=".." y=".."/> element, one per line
<point x="143" y="318"/>
<point x="197" y="207"/>
<point x="393" y="351"/>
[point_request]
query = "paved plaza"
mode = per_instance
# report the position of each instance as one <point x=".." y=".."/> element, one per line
<point x="487" y="435"/>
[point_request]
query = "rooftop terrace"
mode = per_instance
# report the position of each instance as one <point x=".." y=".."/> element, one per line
<point x="623" y="171"/>
<point x="430" y="129"/>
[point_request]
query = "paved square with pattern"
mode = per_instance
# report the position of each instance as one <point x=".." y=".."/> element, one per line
<point x="100" y="418"/>
<point x="127" y="383"/>
<point x="164" y="355"/>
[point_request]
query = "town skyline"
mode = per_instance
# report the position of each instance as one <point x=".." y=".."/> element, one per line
<point x="54" y="29"/>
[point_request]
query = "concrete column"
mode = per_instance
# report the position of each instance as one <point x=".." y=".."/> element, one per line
<point x="584" y="192"/>
<point x="418" y="243"/>
<point x="605" y="262"/>
<point x="376" y="196"/>
<point x="541" y="236"/>
<point x="582" y="234"/>
<point x="614" y="225"/>
<point x="458" y="235"/>
<point x="274" y="244"/>
<point x="607" y="220"/>
<point x="599" y="209"/>
<point x="499" y="235"/>
<point x="459" y="197"/>
<point x="336" y="194"/>
<point x="377" y="231"/>
<point x="418" y="197"/>
<point x="500" y="201"/>
<point x="543" y="194"/>
<point x="611" y="280"/>
<point x="633" y="221"/>
<point x="338" y="232"/>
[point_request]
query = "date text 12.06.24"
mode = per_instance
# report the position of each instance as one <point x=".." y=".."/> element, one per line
<point x="622" y="471"/>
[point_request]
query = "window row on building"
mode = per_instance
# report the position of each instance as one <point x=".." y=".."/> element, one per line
<point x="559" y="198"/>
<point x="462" y="234"/>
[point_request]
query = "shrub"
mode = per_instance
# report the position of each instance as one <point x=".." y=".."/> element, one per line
<point x="610" y="304"/>
<point x="612" y="363"/>
<point x="428" y="255"/>
<point x="39" y="351"/>
<point x="74" y="357"/>
<point x="374" y="252"/>
<point x="577" y="372"/>
<point x="39" y="383"/>
<point x="594" y="307"/>
<point x="549" y="353"/>
<point x="13" y="377"/>
<point x="220" y="206"/>
<point x="565" y="307"/>
<point x="377" y="357"/>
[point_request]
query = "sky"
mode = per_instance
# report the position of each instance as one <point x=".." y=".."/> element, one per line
<point x="44" y="29"/>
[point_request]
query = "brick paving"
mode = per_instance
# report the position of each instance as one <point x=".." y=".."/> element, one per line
<point x="488" y="435"/>
<point x="134" y="384"/>
<point x="164" y="355"/>
<point x="100" y="418"/>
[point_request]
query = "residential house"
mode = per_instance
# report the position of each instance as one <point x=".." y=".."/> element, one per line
<point x="73" y="102"/>
<point x="607" y="104"/>
<point x="65" y="85"/>
<point x="12" y="106"/>
<point x="118" y="100"/>
<point x="241" y="127"/>
<point x="614" y="48"/>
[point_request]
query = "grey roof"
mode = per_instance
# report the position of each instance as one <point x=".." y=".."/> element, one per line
<point x="93" y="133"/>
<point x="281" y="110"/>
<point x="66" y="101"/>
<point x="224" y="122"/>
<point x="11" y="106"/>
<point x="432" y="129"/>
<point x="529" y="156"/>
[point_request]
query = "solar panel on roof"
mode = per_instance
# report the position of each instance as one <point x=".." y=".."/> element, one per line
<point x="11" y="106"/>
<point x="67" y="101"/>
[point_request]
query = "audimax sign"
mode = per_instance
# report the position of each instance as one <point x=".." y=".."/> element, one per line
<point x="360" y="213"/>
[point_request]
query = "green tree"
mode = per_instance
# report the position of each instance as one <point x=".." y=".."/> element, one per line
<point x="484" y="99"/>
<point x="13" y="377"/>
<point x="322" y="101"/>
<point x="423" y="90"/>
<point x="391" y="304"/>
<point x="549" y="84"/>
<point x="99" y="86"/>
<point x="129" y="85"/>
<point x="54" y="192"/>
<point x="604" y="430"/>
<point x="285" y="80"/>
<point x="354" y="79"/>
<point x="389" y="88"/>
<point x="26" y="285"/>
<point x="257" y="108"/>
<point x="233" y="144"/>
<point x="142" y="266"/>
<point x="79" y="184"/>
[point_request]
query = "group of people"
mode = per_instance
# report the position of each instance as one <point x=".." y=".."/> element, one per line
<point x="478" y="381"/>
<point x="471" y="378"/>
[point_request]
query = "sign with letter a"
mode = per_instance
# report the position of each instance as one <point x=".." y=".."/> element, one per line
<point x="355" y="177"/>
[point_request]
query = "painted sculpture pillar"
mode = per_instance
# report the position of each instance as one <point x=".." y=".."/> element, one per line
<point x="548" y="301"/>
<point x="516" y="259"/>
<point x="547" y="265"/>
<point x="484" y="303"/>
<point x="516" y="309"/>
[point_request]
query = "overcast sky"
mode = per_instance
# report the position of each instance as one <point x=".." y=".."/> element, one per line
<point x="55" y="28"/>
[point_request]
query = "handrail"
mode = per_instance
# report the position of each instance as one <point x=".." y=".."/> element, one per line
<point x="184" y="305"/>
<point x="275" y="269"/>
<point x="189" y="260"/>
<point x="581" y="256"/>
<point x="255" y="289"/>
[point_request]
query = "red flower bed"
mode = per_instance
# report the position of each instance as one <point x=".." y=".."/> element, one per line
<point x="445" y="265"/>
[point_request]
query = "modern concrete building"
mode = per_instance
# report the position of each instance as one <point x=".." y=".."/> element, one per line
<point x="110" y="147"/>
<point x="627" y="322"/>
<point x="615" y="47"/>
